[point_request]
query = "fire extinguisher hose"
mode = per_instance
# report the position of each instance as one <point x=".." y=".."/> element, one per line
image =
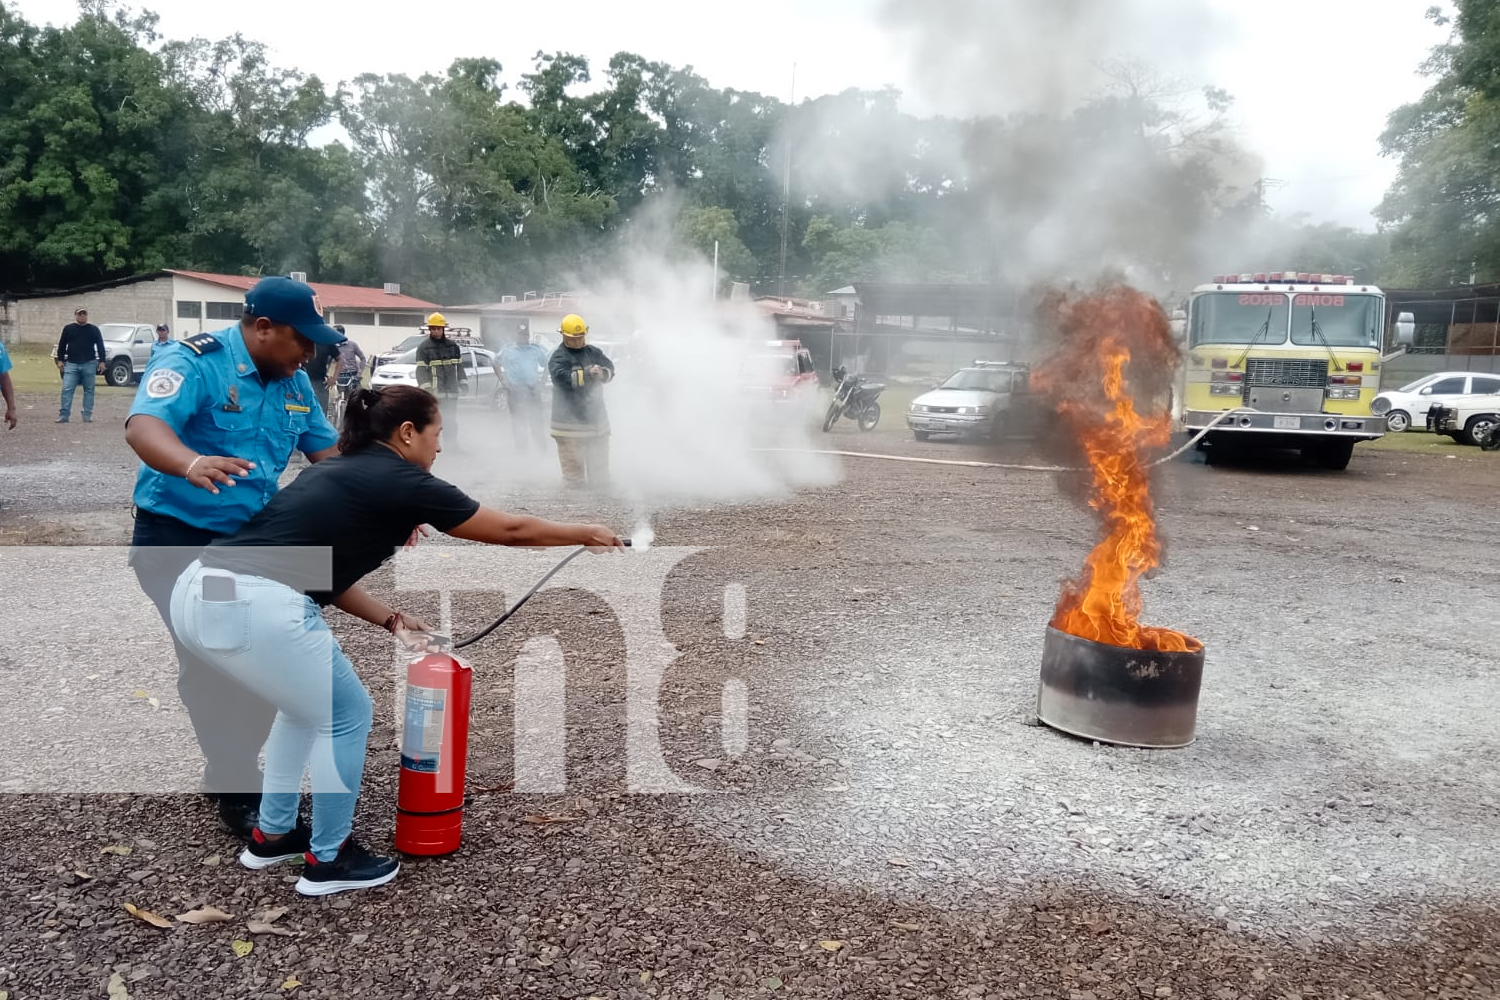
<point x="469" y="639"/>
<point x="1004" y="465"/>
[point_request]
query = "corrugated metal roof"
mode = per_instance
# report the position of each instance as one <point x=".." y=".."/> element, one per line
<point x="331" y="296"/>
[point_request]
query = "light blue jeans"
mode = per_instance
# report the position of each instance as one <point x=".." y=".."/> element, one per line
<point x="273" y="640"/>
<point x="76" y="373"/>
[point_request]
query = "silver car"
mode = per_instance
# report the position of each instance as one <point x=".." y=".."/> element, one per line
<point x="984" y="400"/>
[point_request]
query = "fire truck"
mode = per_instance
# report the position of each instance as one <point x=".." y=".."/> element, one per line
<point x="1297" y="354"/>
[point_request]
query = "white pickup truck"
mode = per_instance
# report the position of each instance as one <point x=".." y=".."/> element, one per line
<point x="1466" y="419"/>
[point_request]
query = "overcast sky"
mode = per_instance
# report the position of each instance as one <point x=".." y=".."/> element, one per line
<point x="1312" y="86"/>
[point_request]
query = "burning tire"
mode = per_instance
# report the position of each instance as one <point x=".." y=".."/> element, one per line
<point x="1130" y="697"/>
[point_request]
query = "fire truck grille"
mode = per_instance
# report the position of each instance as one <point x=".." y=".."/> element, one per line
<point x="1294" y="373"/>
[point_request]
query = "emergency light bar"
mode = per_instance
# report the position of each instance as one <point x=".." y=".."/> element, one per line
<point x="1283" y="277"/>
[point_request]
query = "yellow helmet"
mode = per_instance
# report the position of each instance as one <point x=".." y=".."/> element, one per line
<point x="573" y="326"/>
<point x="437" y="319"/>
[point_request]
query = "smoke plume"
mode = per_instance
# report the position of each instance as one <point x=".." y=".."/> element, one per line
<point x="1095" y="144"/>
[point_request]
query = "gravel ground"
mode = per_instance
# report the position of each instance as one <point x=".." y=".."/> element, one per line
<point x="878" y="814"/>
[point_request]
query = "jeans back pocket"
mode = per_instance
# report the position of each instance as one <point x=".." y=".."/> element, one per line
<point x="223" y="626"/>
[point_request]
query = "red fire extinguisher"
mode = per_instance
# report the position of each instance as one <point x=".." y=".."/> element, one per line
<point x="435" y="739"/>
<point x="434" y="750"/>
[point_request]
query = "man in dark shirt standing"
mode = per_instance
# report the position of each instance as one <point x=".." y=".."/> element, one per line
<point x="317" y="370"/>
<point x="80" y="358"/>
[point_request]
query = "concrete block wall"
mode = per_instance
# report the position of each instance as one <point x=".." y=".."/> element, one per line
<point x="40" y="320"/>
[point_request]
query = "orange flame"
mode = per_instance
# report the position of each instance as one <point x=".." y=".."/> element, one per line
<point x="1104" y="604"/>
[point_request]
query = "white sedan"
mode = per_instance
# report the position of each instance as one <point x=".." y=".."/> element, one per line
<point x="1407" y="406"/>
<point x="479" y="368"/>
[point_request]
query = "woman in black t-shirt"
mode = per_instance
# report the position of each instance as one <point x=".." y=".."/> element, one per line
<point x="251" y="606"/>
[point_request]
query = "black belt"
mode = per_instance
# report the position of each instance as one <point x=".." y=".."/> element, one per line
<point x="151" y="517"/>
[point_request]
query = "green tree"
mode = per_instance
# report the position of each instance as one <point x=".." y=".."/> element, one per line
<point x="89" y="168"/>
<point x="896" y="251"/>
<point x="261" y="200"/>
<point x="467" y="186"/>
<point x="1443" y="211"/>
<point x="699" y="230"/>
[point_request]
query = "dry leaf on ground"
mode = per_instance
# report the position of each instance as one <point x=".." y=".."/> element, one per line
<point x="154" y="919"/>
<point x="261" y="927"/>
<point x="831" y="945"/>
<point x="204" y="915"/>
<point x="290" y="983"/>
<point x="241" y="948"/>
<point x="270" y="916"/>
<point x="116" y="987"/>
<point x="119" y="849"/>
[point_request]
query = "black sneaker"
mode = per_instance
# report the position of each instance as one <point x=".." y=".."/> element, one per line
<point x="239" y="812"/>
<point x="263" y="853"/>
<point x="354" y="868"/>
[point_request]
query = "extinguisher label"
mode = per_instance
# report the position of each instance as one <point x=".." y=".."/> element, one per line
<point x="422" y="742"/>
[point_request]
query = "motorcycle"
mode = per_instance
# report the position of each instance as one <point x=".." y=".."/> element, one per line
<point x="856" y="398"/>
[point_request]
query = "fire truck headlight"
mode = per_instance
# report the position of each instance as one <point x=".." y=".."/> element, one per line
<point x="1348" y="393"/>
<point x="1224" y="389"/>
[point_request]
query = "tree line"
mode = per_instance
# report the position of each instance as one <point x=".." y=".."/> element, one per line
<point x="124" y="152"/>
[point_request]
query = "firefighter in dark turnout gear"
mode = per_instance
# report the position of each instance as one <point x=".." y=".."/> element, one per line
<point x="580" y="424"/>
<point x="440" y="370"/>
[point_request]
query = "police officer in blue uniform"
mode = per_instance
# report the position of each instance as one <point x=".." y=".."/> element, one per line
<point x="215" y="421"/>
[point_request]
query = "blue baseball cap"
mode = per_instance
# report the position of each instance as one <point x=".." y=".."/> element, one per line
<point x="282" y="300"/>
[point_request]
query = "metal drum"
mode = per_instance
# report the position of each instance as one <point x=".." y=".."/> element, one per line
<point x="1131" y="697"/>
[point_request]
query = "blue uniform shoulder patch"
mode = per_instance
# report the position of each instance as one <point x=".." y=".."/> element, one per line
<point x="203" y="343"/>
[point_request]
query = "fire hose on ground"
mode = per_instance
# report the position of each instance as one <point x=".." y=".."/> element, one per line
<point x="1192" y="442"/>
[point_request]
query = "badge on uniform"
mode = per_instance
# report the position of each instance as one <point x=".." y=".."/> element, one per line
<point x="163" y="383"/>
<point x="294" y="408"/>
<point x="233" y="406"/>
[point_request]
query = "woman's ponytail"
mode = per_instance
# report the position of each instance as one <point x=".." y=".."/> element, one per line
<point x="374" y="415"/>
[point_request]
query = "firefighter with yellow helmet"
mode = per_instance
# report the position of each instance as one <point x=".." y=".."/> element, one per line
<point x="440" y="370"/>
<point x="580" y="425"/>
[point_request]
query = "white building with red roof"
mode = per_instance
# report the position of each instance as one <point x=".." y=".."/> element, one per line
<point x="192" y="302"/>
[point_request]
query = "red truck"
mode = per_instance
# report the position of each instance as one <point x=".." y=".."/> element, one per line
<point x="778" y="371"/>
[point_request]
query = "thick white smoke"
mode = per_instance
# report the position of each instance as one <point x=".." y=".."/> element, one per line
<point x="1004" y="57"/>
<point x="681" y="429"/>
